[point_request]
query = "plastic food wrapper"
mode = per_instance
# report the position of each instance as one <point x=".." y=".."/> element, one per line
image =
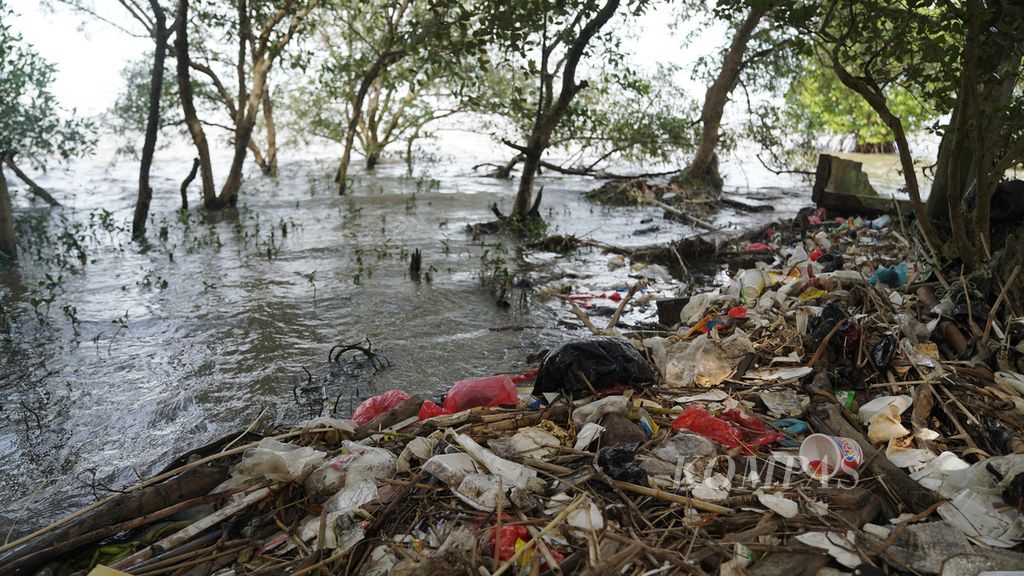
<point x="277" y="461"/>
<point x="603" y="361"/>
<point x="732" y="429"/>
<point x="375" y="406"/>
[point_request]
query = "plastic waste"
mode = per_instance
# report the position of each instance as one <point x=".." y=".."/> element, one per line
<point x="823" y="457"/>
<point x="835" y="543"/>
<point x="731" y="429"/>
<point x="450" y="468"/>
<point x="620" y="431"/>
<point x="431" y="410"/>
<point x="601" y="361"/>
<point x="277" y="461"/>
<point x="703" y="361"/>
<point x="585" y="517"/>
<point x="779" y="504"/>
<point x="587" y="435"/>
<point x="512" y="474"/>
<point x="884" y="351"/>
<point x="751" y="283"/>
<point x="831" y="262"/>
<point x="357" y="464"/>
<point x="880" y="222"/>
<point x="696" y="307"/>
<point x="530" y="442"/>
<point x="882" y="415"/>
<point x="679" y="449"/>
<point x="892" y="276"/>
<point x="503" y="541"/>
<point x="374" y="406"/>
<point x="420" y="448"/>
<point x="783" y="402"/>
<point x="595" y="411"/>
<point x="619" y="463"/>
<point x="791" y="428"/>
<point x="487" y="391"/>
<point x="480" y="491"/>
<point x="977" y="505"/>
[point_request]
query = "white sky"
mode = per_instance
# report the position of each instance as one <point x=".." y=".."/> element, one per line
<point x="89" y="55"/>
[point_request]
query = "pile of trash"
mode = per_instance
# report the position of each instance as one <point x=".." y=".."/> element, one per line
<point x="837" y="408"/>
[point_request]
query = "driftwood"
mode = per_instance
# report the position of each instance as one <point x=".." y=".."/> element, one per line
<point x="191" y="485"/>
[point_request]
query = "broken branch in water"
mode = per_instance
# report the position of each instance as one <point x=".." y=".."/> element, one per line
<point x="378" y="360"/>
<point x="683" y="215"/>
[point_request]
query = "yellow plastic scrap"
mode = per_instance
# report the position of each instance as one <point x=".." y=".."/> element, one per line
<point x="812" y="294"/>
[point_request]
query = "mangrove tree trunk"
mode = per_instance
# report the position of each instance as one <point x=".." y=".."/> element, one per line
<point x="156" y="84"/>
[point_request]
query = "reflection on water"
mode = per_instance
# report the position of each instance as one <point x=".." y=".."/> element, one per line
<point x="147" y="351"/>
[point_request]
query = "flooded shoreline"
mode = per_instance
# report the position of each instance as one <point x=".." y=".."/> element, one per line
<point x="115" y="366"/>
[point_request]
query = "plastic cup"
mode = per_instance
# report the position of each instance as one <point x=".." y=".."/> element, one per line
<point x="751" y="284"/>
<point x="823" y="457"/>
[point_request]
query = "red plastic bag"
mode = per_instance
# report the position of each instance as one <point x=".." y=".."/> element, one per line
<point x="758" y="247"/>
<point x="528" y="376"/>
<point x="731" y="429"/>
<point x="487" y="391"/>
<point x="504" y="540"/>
<point x="376" y="405"/>
<point x="429" y="410"/>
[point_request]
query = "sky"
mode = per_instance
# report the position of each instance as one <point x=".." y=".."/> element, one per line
<point x="90" y="55"/>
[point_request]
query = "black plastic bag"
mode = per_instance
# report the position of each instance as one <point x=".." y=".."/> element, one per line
<point x="883" y="352"/>
<point x="603" y="361"/>
<point x="618" y="463"/>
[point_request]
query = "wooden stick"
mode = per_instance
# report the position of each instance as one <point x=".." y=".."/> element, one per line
<point x="544" y="531"/>
<point x="150" y="482"/>
<point x="824" y="344"/>
<point x="684" y="215"/>
<point x="622" y="305"/>
<point x="670" y="497"/>
<point x="999" y="300"/>
<point x="190" y="531"/>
